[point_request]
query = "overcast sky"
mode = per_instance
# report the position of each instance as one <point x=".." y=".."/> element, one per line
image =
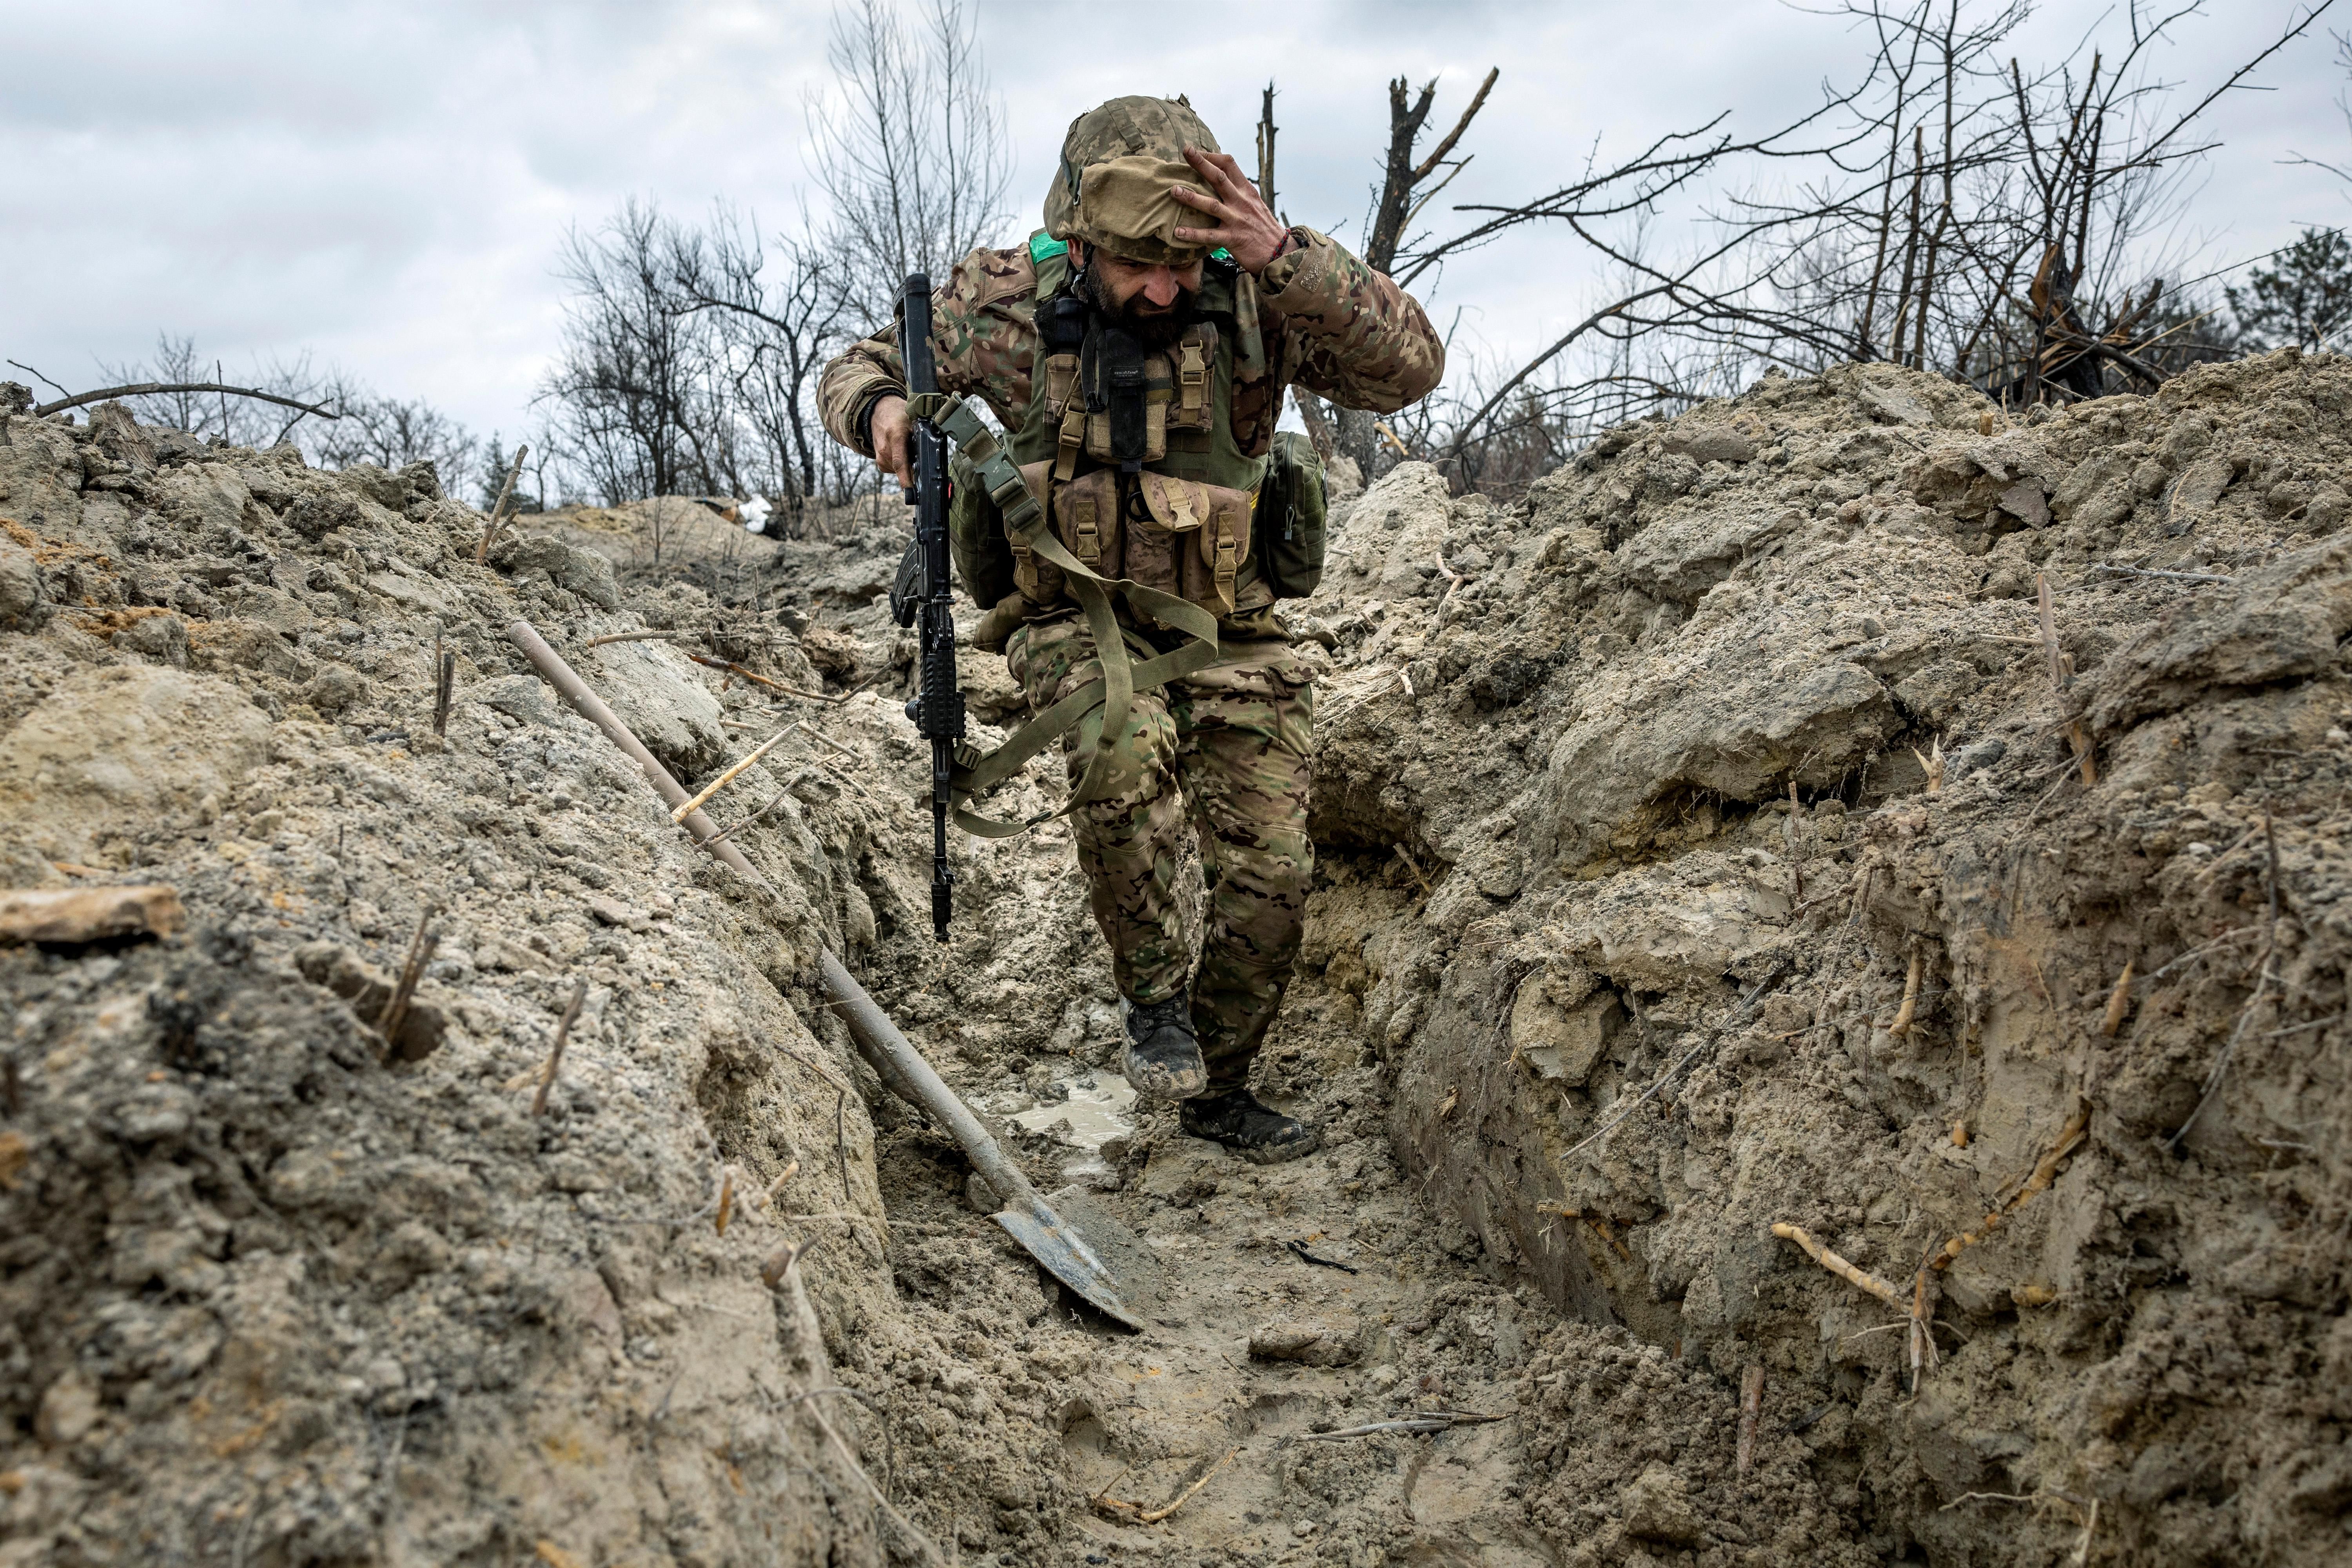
<point x="384" y="186"/>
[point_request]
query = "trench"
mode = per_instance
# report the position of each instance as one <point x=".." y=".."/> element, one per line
<point x="276" y="1292"/>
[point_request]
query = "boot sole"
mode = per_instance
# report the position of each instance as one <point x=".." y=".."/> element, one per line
<point x="1159" y="1083"/>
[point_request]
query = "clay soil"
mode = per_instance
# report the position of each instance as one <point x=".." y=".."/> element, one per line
<point x="1671" y="776"/>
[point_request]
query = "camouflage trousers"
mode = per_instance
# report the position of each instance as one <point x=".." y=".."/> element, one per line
<point x="1227" y="749"/>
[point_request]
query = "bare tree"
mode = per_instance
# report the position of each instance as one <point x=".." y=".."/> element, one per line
<point x="1950" y="210"/>
<point x="393" y="433"/>
<point x="630" y="395"/>
<point x="777" y="310"/>
<point x="910" y="147"/>
<point x="372" y="428"/>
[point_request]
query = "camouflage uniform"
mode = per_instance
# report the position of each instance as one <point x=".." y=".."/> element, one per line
<point x="1232" y="738"/>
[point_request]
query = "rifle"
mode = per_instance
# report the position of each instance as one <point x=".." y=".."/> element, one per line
<point x="937" y="707"/>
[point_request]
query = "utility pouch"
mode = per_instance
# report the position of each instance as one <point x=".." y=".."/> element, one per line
<point x="1038" y="580"/>
<point x="1085" y="516"/>
<point x="1289" y="523"/>
<point x="1196" y="539"/>
<point x="1194" y="362"/>
<point x="1125" y="425"/>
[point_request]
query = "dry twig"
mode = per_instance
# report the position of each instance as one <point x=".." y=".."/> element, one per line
<point x="638" y="637"/>
<point x="555" y="1052"/>
<point x="498" y="508"/>
<point x="420" y="952"/>
<point x="1419" y="1420"/>
<point x="1137" y="1514"/>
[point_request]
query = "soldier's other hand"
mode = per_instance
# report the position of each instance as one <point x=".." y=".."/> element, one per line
<point x="894" y="441"/>
<point x="1245" y="226"/>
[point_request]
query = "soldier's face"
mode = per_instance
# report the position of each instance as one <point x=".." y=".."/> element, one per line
<point x="1139" y="290"/>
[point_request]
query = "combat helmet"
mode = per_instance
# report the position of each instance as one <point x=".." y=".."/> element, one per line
<point x="1117" y="165"/>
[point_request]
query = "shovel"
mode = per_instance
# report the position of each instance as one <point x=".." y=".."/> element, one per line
<point x="1051" y="1239"/>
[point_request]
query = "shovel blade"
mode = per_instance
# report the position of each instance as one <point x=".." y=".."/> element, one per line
<point x="1068" y="1256"/>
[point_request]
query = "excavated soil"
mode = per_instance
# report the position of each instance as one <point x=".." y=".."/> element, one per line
<point x="1591" y="770"/>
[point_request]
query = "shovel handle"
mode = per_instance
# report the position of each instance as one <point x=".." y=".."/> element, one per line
<point x="902" y="1067"/>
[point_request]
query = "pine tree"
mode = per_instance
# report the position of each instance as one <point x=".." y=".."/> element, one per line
<point x="2304" y="299"/>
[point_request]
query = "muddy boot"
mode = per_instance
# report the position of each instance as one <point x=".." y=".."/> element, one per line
<point x="1258" y="1133"/>
<point x="1163" y="1057"/>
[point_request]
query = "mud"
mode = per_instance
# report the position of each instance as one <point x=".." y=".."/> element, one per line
<point x="276" y="1295"/>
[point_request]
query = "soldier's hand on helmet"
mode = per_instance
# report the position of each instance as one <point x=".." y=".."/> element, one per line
<point x="894" y="440"/>
<point x="1245" y="226"/>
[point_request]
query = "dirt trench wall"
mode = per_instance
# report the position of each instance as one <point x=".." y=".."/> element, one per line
<point x="1557" y="751"/>
<point x="270" y="1294"/>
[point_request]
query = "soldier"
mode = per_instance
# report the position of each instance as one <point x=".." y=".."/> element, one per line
<point x="1136" y="350"/>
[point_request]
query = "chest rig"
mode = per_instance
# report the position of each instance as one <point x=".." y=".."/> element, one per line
<point x="1123" y="491"/>
<point x="1130" y="450"/>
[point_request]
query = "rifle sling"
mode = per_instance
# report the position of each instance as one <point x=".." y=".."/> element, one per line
<point x="1098" y="709"/>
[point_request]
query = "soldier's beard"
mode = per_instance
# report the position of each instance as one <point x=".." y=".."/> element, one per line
<point x="1156" y="331"/>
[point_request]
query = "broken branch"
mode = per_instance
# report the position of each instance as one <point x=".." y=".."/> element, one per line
<point x="143" y="388"/>
<point x="498" y="507"/>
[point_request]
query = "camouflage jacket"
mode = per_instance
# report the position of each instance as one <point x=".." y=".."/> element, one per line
<point x="1323" y="320"/>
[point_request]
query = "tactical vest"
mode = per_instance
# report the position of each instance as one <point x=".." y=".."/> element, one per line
<point x="1153" y="488"/>
<point x="1131" y="497"/>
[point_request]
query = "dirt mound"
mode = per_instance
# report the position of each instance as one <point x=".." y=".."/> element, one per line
<point x="1660" y="739"/>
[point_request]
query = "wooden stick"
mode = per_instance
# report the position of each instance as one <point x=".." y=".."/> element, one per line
<point x="420" y="950"/>
<point x="498" y="507"/>
<point x="1902" y="1017"/>
<point x="731" y="668"/>
<point x="1840" y="1266"/>
<point x="638" y="637"/>
<point x="1751" y="1407"/>
<point x="555" y="1054"/>
<point x="2118" y="1003"/>
<point x="687" y="808"/>
<point x="773" y="801"/>
<point x="726" y="1199"/>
